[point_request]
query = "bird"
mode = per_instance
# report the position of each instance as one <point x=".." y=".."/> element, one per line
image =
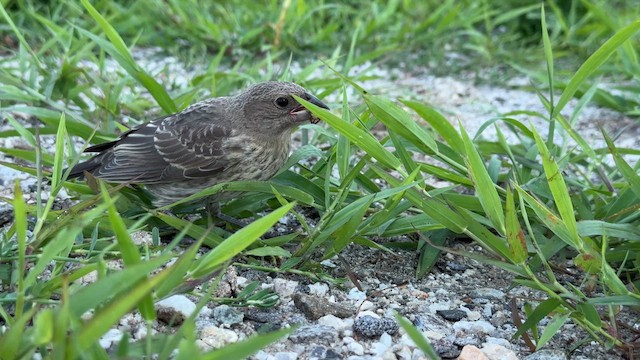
<point x="222" y="139"/>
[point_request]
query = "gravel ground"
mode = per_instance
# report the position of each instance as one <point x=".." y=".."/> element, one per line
<point x="463" y="307"/>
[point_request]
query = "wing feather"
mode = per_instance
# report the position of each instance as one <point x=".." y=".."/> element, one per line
<point x="187" y="145"/>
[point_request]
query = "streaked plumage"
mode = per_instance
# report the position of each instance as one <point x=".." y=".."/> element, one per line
<point x="244" y="137"/>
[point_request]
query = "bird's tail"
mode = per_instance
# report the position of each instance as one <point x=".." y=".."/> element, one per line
<point x="77" y="171"/>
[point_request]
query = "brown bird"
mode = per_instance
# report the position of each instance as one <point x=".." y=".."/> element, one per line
<point x="243" y="137"/>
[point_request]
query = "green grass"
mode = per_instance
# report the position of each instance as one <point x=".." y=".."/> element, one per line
<point x="535" y="204"/>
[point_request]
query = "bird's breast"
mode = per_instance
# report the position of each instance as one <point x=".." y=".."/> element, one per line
<point x="256" y="158"/>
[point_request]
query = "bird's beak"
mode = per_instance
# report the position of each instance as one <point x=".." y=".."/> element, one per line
<point x="302" y="114"/>
<point x="315" y="101"/>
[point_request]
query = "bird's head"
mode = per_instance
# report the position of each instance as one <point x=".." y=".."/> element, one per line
<point x="270" y="106"/>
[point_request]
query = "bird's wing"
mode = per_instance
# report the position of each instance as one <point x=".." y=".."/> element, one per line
<point x="188" y="145"/>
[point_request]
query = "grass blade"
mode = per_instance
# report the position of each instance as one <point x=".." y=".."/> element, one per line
<point x="484" y="186"/>
<point x="128" y="63"/>
<point x="239" y="241"/>
<point x="593" y="63"/>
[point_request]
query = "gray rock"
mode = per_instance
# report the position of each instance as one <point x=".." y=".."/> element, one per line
<point x="314" y="333"/>
<point x="452" y="315"/>
<point x="445" y="348"/>
<point x="467" y="340"/>
<point x="547" y="355"/>
<point x="285" y="355"/>
<point x="315" y="307"/>
<point x="323" y="353"/>
<point x="479" y="327"/>
<point x="214" y="337"/>
<point x="262" y="315"/>
<point x="225" y="314"/>
<point x="487" y="293"/>
<point x="110" y="338"/>
<point x="175" y="309"/>
<point x="371" y="327"/>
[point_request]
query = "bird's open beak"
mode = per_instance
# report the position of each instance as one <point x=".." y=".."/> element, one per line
<point x="302" y="114"/>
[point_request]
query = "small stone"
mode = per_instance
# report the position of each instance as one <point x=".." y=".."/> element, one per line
<point x="497" y="341"/>
<point x="456" y="266"/>
<point x="262" y="315"/>
<point x="315" y="307"/>
<point x="498" y="352"/>
<point x="353" y="346"/>
<point x="479" y="327"/>
<point x="284" y="287"/>
<point x="228" y="285"/>
<point x="89" y="278"/>
<point x="142" y="237"/>
<point x="140" y="333"/>
<point x="368" y="313"/>
<point x="474" y="315"/>
<point x="367" y="305"/>
<point x="487" y="311"/>
<point x="241" y="281"/>
<point x="377" y="349"/>
<point x="547" y="355"/>
<point x="111" y="337"/>
<point x="471" y="352"/>
<point x="487" y="293"/>
<point x="323" y="353"/>
<point x="314" y="333"/>
<point x="404" y="353"/>
<point x="445" y="348"/>
<point x="499" y="318"/>
<point x="386" y="339"/>
<point x="434" y="335"/>
<point x="285" y="355"/>
<point x="462" y="341"/>
<point x="225" y="314"/>
<point x="371" y="327"/>
<point x="451" y="315"/>
<point x="334" y="322"/>
<point x="262" y="355"/>
<point x="214" y="337"/>
<point x="318" y="289"/>
<point x="175" y="309"/>
<point x="355" y="294"/>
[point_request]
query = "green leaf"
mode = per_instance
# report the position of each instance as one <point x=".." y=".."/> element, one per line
<point x="547" y="217"/>
<point x="263" y="251"/>
<point x="210" y="238"/>
<point x="344" y="234"/>
<point x="559" y="190"/>
<point x="239" y="241"/>
<point x="630" y="175"/>
<point x="594" y="61"/>
<point x="129" y="251"/>
<point x="58" y="159"/>
<point x="399" y="121"/>
<point x="43" y="328"/>
<point x="442" y="126"/>
<point x="91" y="296"/>
<point x="415" y="335"/>
<point x="119" y="305"/>
<point x="484" y="186"/>
<point x="121" y="53"/>
<point x="246" y="348"/>
<point x="590" y="313"/>
<point x="248" y="185"/>
<point x="552" y="328"/>
<point x="179" y="270"/>
<point x="357" y="136"/>
<point x="543" y="309"/>
<point x="515" y="236"/>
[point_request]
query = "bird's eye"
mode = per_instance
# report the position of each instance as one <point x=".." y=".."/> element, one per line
<point x="282" y="101"/>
